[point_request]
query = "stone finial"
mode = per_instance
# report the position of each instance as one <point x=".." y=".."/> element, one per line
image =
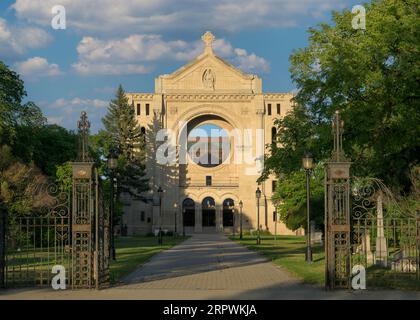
<point x="83" y="125"/>
<point x="208" y="39"/>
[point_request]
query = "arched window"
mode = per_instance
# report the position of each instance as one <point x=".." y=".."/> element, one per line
<point x="208" y="209"/>
<point x="208" y="203"/>
<point x="188" y="212"/>
<point x="228" y="212"/>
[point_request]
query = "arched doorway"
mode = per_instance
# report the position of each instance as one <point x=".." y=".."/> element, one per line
<point x="208" y="209"/>
<point x="188" y="212"/>
<point x="228" y="212"/>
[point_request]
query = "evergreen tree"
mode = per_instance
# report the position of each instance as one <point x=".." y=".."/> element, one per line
<point x="124" y="135"/>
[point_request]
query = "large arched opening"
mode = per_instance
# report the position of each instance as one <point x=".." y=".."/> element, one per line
<point x="228" y="212"/>
<point x="208" y="210"/>
<point x="188" y="212"/>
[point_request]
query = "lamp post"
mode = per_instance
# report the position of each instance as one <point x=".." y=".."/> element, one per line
<point x="176" y="211"/>
<point x="258" y="196"/>
<point x="308" y="164"/>
<point x="160" y="194"/>
<point x="275" y="225"/>
<point x="241" y="204"/>
<point x="183" y="225"/>
<point x="233" y="218"/>
<point x="112" y="165"/>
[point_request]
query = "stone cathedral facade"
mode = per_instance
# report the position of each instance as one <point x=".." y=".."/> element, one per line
<point x="199" y="196"/>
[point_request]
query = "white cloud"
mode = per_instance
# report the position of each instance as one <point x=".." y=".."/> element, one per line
<point x="17" y="40"/>
<point x="156" y="16"/>
<point x="66" y="112"/>
<point x="86" y="68"/>
<point x="37" y="67"/>
<point x="78" y="103"/>
<point x="250" y="62"/>
<point x="136" y="53"/>
<point x="55" y="119"/>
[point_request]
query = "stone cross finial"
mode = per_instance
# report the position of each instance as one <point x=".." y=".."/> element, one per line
<point x="208" y="39"/>
<point x="83" y="125"/>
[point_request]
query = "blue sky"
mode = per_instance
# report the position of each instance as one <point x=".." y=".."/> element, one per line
<point x="107" y="43"/>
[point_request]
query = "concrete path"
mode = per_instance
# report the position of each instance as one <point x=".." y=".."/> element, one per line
<point x="208" y="266"/>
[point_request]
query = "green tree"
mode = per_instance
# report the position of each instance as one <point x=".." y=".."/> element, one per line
<point x="12" y="112"/>
<point x="290" y="198"/>
<point x="124" y="135"/>
<point x="54" y="145"/>
<point x="64" y="176"/>
<point x="372" y="77"/>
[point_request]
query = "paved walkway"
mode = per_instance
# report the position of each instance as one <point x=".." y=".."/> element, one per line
<point x="208" y="266"/>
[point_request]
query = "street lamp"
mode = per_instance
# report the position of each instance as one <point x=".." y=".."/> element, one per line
<point x="183" y="226"/>
<point x="258" y="196"/>
<point x="233" y="218"/>
<point x="176" y="211"/>
<point x="112" y="165"/>
<point x="308" y="165"/>
<point x="160" y="194"/>
<point x="241" y="204"/>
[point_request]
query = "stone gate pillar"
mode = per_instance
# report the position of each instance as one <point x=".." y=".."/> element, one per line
<point x="337" y="214"/>
<point x="82" y="220"/>
<point x="88" y="244"/>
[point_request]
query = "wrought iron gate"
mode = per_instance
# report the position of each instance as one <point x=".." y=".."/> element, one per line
<point x="360" y="232"/>
<point x="68" y="229"/>
<point x="385" y="243"/>
<point x="36" y="241"/>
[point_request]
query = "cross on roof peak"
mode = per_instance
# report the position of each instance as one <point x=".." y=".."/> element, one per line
<point x="208" y="39"/>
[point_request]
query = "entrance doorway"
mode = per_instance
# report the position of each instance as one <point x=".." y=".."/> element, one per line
<point x="208" y="208"/>
<point x="228" y="212"/>
<point x="188" y="213"/>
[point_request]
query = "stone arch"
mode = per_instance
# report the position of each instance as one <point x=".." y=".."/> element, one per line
<point x="204" y="109"/>
<point x="218" y="115"/>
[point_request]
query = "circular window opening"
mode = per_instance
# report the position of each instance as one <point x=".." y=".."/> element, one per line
<point x="208" y="145"/>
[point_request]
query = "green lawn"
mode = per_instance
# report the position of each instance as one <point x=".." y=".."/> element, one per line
<point x="289" y="253"/>
<point x="132" y="252"/>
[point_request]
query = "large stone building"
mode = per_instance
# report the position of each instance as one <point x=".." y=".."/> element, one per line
<point x="207" y="93"/>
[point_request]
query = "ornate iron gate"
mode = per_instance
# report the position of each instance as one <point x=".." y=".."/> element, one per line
<point x="385" y="243"/>
<point x="360" y="232"/>
<point x="36" y="241"/>
<point x="71" y="230"/>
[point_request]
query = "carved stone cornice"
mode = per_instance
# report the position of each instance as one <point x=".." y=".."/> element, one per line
<point x="277" y="96"/>
<point x="209" y="97"/>
<point x="141" y="96"/>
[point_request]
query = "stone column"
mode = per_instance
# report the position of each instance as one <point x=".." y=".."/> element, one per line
<point x="198" y="227"/>
<point x="219" y="218"/>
